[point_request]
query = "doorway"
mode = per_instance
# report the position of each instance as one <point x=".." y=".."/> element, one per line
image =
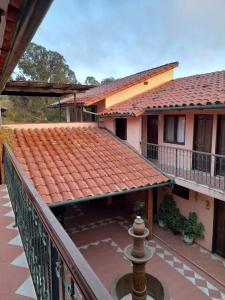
<point x="219" y="228"/>
<point x="220" y="146"/>
<point x="202" y="142"/>
<point x="152" y="136"/>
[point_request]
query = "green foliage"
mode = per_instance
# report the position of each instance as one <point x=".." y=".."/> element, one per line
<point x="30" y="110"/>
<point x="192" y="228"/>
<point x="107" y="80"/>
<point x="170" y="215"/>
<point x="39" y="64"/>
<point x="90" y="80"/>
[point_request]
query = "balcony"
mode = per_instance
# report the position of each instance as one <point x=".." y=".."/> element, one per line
<point x="199" y="167"/>
<point x="57" y="268"/>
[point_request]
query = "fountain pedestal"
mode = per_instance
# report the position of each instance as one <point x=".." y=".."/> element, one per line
<point x="138" y="284"/>
<point x="138" y="254"/>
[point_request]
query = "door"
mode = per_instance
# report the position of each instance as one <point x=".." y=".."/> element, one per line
<point x="220" y="147"/>
<point x="202" y="142"/>
<point x="219" y="228"/>
<point x="152" y="136"/>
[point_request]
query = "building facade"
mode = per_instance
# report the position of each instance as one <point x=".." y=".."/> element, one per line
<point x="179" y="125"/>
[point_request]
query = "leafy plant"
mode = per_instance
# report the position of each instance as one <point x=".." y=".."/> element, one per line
<point x="165" y="208"/>
<point x="175" y="221"/>
<point x="192" y="228"/>
<point x="170" y="215"/>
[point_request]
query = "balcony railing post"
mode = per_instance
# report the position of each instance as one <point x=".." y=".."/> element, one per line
<point x="53" y="274"/>
<point x="176" y="171"/>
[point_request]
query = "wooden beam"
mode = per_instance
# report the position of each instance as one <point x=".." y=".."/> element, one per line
<point x="149" y="211"/>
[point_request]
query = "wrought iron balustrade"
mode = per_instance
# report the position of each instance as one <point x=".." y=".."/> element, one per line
<point x="58" y="269"/>
<point x="204" y="168"/>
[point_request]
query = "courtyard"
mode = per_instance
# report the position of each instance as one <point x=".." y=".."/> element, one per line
<point x="99" y="230"/>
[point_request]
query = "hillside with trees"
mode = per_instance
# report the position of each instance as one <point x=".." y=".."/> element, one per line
<point x="40" y="64"/>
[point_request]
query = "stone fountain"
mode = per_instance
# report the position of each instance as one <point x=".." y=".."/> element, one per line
<point x="138" y="285"/>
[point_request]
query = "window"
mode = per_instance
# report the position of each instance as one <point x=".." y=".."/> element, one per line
<point x="121" y="128"/>
<point x="174" y="129"/>
<point x="180" y="191"/>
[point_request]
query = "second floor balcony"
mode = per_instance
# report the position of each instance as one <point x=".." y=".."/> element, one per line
<point x="202" y="168"/>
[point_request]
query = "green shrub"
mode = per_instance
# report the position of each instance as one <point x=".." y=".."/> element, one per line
<point x="170" y="214"/>
<point x="192" y="228"/>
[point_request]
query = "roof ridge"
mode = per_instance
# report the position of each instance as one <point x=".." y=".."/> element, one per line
<point x="199" y="74"/>
<point x="105" y="90"/>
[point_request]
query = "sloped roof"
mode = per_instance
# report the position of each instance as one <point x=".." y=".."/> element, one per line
<point x="204" y="89"/>
<point x="73" y="163"/>
<point x="100" y="92"/>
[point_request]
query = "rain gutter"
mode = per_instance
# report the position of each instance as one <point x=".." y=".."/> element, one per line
<point x="90" y="198"/>
<point x="189" y="107"/>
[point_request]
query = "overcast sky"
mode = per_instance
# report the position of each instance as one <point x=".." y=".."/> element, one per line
<point x="116" y="38"/>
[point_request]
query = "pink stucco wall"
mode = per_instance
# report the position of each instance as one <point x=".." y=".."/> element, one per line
<point x="197" y="203"/>
<point x="137" y="132"/>
<point x="134" y="128"/>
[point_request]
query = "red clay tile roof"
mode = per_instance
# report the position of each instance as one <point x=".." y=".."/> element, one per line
<point x="204" y="89"/>
<point x="100" y="92"/>
<point x="73" y="163"/>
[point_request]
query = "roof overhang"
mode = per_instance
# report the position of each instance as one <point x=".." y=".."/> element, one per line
<point x="42" y="89"/>
<point x="186" y="107"/>
<point x="19" y="22"/>
<point x="170" y="182"/>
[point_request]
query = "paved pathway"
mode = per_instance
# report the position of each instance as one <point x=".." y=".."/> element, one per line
<point x="15" y="279"/>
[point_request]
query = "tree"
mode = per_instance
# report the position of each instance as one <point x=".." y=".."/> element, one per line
<point x="90" y="80"/>
<point x="39" y="64"/>
<point x="107" y="80"/>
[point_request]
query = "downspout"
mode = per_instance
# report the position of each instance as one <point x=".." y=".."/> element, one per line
<point x="92" y="113"/>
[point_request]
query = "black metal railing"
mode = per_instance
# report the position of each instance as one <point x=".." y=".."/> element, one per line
<point x="58" y="269"/>
<point x="204" y="168"/>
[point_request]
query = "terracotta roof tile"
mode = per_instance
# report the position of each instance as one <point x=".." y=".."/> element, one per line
<point x="73" y="163"/>
<point x="204" y="89"/>
<point x="98" y="93"/>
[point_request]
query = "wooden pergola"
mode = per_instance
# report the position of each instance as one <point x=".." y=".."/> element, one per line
<point x="42" y="89"/>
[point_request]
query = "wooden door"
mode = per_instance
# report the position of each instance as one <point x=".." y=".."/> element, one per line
<point x="219" y="228"/>
<point x="220" y="147"/>
<point x="202" y="142"/>
<point x="152" y="136"/>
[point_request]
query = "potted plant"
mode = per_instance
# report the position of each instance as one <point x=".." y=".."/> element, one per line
<point x="192" y="229"/>
<point x="164" y="210"/>
<point x="175" y="221"/>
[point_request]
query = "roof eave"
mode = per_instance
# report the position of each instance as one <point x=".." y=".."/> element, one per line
<point x="186" y="107"/>
<point x="169" y="182"/>
<point x="29" y="19"/>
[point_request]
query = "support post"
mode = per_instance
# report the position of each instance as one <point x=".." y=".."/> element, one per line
<point x="149" y="211"/>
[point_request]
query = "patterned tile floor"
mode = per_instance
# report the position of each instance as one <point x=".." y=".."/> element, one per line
<point x="15" y="279"/>
<point x="100" y="232"/>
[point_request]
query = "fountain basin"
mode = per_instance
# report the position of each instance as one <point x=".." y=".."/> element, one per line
<point x="121" y="287"/>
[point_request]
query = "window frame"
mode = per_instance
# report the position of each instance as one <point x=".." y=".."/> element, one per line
<point x="125" y="135"/>
<point x="176" y="117"/>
